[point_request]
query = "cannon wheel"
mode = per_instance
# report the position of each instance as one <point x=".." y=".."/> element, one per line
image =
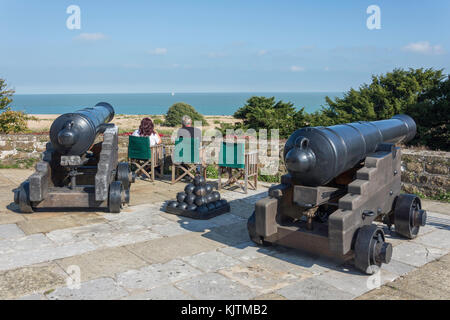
<point x="124" y="174"/>
<point x="251" y="226"/>
<point x="371" y="250"/>
<point x="115" y="197"/>
<point x="23" y="198"/>
<point x="408" y="215"/>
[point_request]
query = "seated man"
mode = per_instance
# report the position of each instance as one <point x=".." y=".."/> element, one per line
<point x="188" y="131"/>
<point x="147" y="129"/>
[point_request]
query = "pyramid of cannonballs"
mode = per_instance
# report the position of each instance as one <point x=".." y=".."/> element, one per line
<point x="198" y="196"/>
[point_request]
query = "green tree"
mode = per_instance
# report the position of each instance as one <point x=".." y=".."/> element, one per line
<point x="384" y="97"/>
<point x="432" y="116"/>
<point x="10" y="121"/>
<point x="178" y="110"/>
<point x="265" y="113"/>
<point x="5" y="95"/>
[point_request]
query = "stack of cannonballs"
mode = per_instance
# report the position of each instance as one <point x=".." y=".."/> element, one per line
<point x="198" y="196"/>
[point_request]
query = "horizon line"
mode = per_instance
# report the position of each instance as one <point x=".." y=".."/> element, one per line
<point x="187" y="92"/>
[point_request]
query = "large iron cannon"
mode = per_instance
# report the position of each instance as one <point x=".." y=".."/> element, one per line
<point x="77" y="170"/>
<point x="341" y="179"/>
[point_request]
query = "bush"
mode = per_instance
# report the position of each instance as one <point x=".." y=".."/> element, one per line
<point x="386" y="96"/>
<point x="157" y="122"/>
<point x="264" y="113"/>
<point x="178" y="110"/>
<point x="432" y="116"/>
<point x="13" y="121"/>
<point x="10" y="121"/>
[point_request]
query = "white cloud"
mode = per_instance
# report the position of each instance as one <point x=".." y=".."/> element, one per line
<point x="424" y="47"/>
<point x="91" y="36"/>
<point x="158" y="51"/>
<point x="262" y="52"/>
<point x="297" y="69"/>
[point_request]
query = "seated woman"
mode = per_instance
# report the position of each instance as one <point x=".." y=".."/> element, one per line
<point x="147" y="129"/>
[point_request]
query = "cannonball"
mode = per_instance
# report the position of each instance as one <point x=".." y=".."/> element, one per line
<point x="190" y="198"/>
<point x="223" y="202"/>
<point x="215" y="205"/>
<point x="208" y="188"/>
<point x="189" y="188"/>
<point x="200" y="200"/>
<point x="202" y="209"/>
<point x="211" y="206"/>
<point x="200" y="191"/>
<point x="199" y="180"/>
<point x="172" y="204"/>
<point x="182" y="205"/>
<point x="209" y="198"/>
<point x="216" y="195"/>
<point x="181" y="196"/>
<point x="192" y="207"/>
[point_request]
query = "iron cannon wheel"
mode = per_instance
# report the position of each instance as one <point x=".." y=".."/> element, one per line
<point x="371" y="250"/>
<point x="115" y="197"/>
<point x="251" y="226"/>
<point x="123" y="174"/>
<point x="24" y="198"/>
<point x="408" y="215"/>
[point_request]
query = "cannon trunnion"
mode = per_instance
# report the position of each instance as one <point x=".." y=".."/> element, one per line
<point x="342" y="179"/>
<point x="77" y="170"/>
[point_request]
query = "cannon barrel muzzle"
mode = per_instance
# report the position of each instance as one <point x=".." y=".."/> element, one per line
<point x="74" y="133"/>
<point x="316" y="155"/>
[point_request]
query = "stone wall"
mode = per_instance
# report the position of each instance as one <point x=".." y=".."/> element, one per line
<point x="424" y="172"/>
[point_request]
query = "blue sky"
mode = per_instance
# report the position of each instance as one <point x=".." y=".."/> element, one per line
<point x="216" y="46"/>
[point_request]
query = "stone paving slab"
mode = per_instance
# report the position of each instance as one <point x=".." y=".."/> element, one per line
<point x="167" y="292"/>
<point x="44" y="225"/>
<point x="156" y="275"/>
<point x="265" y="275"/>
<point x="10" y="231"/>
<point x="43" y="254"/>
<point x="416" y="254"/>
<point x="98" y="289"/>
<point x="101" y="263"/>
<point x="353" y="282"/>
<point x="211" y="261"/>
<point x="213" y="286"/>
<point x="313" y="289"/>
<point x="25" y="281"/>
<point x="166" y="249"/>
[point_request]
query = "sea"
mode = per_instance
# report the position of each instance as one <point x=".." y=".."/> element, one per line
<point x="158" y="103"/>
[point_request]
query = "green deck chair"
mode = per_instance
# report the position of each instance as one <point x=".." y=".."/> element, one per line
<point x="239" y="164"/>
<point x="145" y="158"/>
<point x="186" y="158"/>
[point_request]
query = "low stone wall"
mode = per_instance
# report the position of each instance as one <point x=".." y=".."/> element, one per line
<point x="423" y="172"/>
<point x="426" y="172"/>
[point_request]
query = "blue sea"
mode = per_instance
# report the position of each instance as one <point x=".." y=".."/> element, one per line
<point x="158" y="103"/>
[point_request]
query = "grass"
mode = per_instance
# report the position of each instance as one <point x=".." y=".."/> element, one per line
<point x="442" y="197"/>
<point x="20" y="164"/>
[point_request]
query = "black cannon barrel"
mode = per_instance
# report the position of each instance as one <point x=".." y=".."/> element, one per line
<point x="316" y="155"/>
<point x="74" y="133"/>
